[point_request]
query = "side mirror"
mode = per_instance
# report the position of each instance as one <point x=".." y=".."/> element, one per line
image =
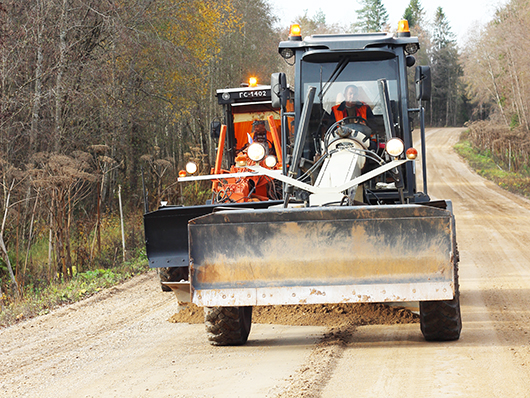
<point x="423" y="83"/>
<point x="215" y="129"/>
<point x="279" y="92"/>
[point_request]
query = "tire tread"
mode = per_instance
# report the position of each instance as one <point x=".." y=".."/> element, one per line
<point x="227" y="326"/>
<point x="442" y="320"/>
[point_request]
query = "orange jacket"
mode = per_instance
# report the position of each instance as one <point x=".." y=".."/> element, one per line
<point x="340" y="111"/>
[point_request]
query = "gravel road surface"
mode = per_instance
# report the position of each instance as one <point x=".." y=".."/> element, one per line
<point x="120" y="343"/>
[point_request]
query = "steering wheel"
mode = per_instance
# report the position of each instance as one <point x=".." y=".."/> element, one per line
<point x="352" y="123"/>
<point x="349" y="126"/>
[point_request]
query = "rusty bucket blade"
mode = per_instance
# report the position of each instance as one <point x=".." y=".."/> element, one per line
<point x="322" y="255"/>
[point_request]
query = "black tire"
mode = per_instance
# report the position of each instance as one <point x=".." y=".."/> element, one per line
<point x="227" y="325"/>
<point x="172" y="274"/>
<point x="442" y="320"/>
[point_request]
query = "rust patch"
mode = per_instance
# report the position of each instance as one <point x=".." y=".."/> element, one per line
<point x="239" y="272"/>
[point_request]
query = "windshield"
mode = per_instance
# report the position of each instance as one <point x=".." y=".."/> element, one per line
<point x="362" y="74"/>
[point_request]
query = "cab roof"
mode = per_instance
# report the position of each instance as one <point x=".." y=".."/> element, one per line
<point x="348" y="41"/>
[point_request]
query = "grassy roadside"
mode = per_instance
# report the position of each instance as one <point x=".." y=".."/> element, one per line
<point x="83" y="285"/>
<point x="486" y="166"/>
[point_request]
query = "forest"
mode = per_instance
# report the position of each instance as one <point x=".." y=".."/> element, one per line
<point x="101" y="98"/>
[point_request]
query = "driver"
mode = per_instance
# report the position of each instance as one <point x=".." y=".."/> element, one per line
<point x="261" y="135"/>
<point x="352" y="106"/>
<point x="260" y="131"/>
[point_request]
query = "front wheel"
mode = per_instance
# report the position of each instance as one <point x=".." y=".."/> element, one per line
<point x="442" y="320"/>
<point x="228" y="325"/>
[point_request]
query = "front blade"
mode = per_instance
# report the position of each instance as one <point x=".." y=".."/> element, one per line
<point x="166" y="231"/>
<point x="322" y="255"/>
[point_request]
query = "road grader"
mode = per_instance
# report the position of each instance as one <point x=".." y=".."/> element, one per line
<point x="341" y="219"/>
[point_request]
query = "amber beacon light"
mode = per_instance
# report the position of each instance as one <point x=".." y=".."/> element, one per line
<point x="403" y="28"/>
<point x="295" y="32"/>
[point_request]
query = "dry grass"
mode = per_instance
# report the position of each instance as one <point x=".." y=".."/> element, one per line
<point x="496" y="168"/>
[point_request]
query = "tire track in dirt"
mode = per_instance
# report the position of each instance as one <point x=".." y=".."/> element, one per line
<point x="312" y="377"/>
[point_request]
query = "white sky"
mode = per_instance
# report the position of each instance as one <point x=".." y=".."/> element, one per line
<point x="462" y="14"/>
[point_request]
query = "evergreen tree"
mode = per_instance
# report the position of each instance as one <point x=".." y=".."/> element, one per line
<point x="442" y="37"/>
<point x="446" y="73"/>
<point x="414" y="13"/>
<point x="372" y="17"/>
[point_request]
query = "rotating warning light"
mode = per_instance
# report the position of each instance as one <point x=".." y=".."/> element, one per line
<point x="295" y="32"/>
<point x="403" y="28"/>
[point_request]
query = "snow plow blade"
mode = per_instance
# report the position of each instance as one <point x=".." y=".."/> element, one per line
<point x="321" y="255"/>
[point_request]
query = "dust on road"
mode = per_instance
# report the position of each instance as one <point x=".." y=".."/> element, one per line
<point x="332" y="315"/>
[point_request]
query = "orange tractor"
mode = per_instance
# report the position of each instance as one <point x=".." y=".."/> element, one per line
<point x="248" y="136"/>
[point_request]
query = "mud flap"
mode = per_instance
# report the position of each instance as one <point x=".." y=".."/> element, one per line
<point x="322" y="255"/>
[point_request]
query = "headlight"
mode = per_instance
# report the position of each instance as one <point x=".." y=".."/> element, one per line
<point x="256" y="152"/>
<point x="270" y="161"/>
<point x="412" y="48"/>
<point x="287" y="53"/>
<point x="395" y="147"/>
<point x="191" y="167"/>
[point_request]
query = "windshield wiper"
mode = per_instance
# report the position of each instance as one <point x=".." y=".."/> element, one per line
<point x="341" y="65"/>
<point x="334" y="75"/>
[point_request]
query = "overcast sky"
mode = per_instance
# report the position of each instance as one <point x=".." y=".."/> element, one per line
<point x="462" y="14"/>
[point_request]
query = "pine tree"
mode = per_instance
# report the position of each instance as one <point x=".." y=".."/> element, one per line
<point x="446" y="72"/>
<point x="414" y="13"/>
<point x="372" y="17"/>
<point x="442" y="37"/>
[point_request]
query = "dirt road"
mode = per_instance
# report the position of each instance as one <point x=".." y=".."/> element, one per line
<point x="119" y="343"/>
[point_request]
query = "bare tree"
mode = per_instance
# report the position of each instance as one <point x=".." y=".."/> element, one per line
<point x="66" y="181"/>
<point x="3" y="247"/>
